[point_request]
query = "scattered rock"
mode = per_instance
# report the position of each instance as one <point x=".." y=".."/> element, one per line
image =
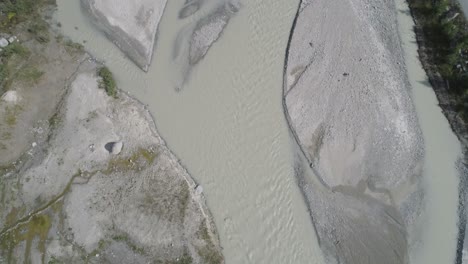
<point x="11" y="97"/>
<point x="3" y="42"/>
<point x="114" y="147"/>
<point x="199" y="189"/>
<point x="12" y="39"/>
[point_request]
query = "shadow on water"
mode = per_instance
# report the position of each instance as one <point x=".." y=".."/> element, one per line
<point x="426" y="83"/>
<point x="406" y="12"/>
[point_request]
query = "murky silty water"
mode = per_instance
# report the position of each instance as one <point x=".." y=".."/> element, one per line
<point x="464" y="5"/>
<point x="439" y="230"/>
<point x="227" y="125"/>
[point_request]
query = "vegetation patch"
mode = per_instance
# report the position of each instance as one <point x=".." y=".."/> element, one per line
<point x="11" y="114"/>
<point x="37" y="227"/>
<point x="135" y="162"/>
<point x="39" y="29"/>
<point x="209" y="252"/>
<point x="125" y="239"/>
<point x="18" y="11"/>
<point x="70" y="46"/>
<point x="184" y="259"/>
<point x="29" y="74"/>
<point x="12" y="58"/>
<point x="102" y="244"/>
<point x="14" y="48"/>
<point x="107" y="81"/>
<point x="210" y="255"/>
<point x="15" y="11"/>
<point x="184" y="198"/>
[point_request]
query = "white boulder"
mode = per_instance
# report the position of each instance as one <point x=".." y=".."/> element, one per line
<point x="114" y="147"/>
<point x="3" y="42"/>
<point x="11" y="97"/>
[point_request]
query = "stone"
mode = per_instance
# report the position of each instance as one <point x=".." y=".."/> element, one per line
<point x="3" y="42"/>
<point x="11" y="97"/>
<point x="199" y="189"/>
<point x="114" y="147"/>
<point x="12" y="39"/>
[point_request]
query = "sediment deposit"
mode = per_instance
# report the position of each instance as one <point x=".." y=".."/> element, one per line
<point x="132" y="25"/>
<point x="195" y="39"/>
<point x="348" y="103"/>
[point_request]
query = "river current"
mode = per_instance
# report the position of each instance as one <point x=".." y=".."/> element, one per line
<point x="228" y="128"/>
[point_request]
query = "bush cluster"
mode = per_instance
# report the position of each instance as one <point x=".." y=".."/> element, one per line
<point x="446" y="33"/>
<point x="107" y="81"/>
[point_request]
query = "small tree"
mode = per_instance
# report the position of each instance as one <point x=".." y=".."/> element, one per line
<point x="107" y="81"/>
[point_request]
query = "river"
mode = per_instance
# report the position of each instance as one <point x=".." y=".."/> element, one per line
<point x="227" y="125"/>
<point x="228" y="128"/>
<point x="464" y="5"/>
<point x="442" y="150"/>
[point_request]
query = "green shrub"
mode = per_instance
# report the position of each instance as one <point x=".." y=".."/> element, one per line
<point x="107" y="81"/>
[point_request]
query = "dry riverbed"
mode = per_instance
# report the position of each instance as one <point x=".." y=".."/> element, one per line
<point x="85" y="177"/>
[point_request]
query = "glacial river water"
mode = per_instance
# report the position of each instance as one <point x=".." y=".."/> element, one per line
<point x="227" y="125"/>
<point x="464" y="5"/>
<point x="442" y="150"/>
<point x="228" y="128"/>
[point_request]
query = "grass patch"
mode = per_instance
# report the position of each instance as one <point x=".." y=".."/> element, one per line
<point x="10" y="115"/>
<point x="54" y="260"/>
<point x="202" y="232"/>
<point x="210" y="255"/>
<point x="15" y="11"/>
<point x="185" y="259"/>
<point x="107" y="81"/>
<point x="135" y="162"/>
<point x="11" y="58"/>
<point x="18" y="11"/>
<point x="102" y="244"/>
<point x="36" y="228"/>
<point x="29" y="74"/>
<point x="39" y="29"/>
<point x="14" y="48"/>
<point x="72" y="47"/>
<point x="209" y="252"/>
<point x="184" y="197"/>
<point x="3" y="73"/>
<point x="124" y="238"/>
